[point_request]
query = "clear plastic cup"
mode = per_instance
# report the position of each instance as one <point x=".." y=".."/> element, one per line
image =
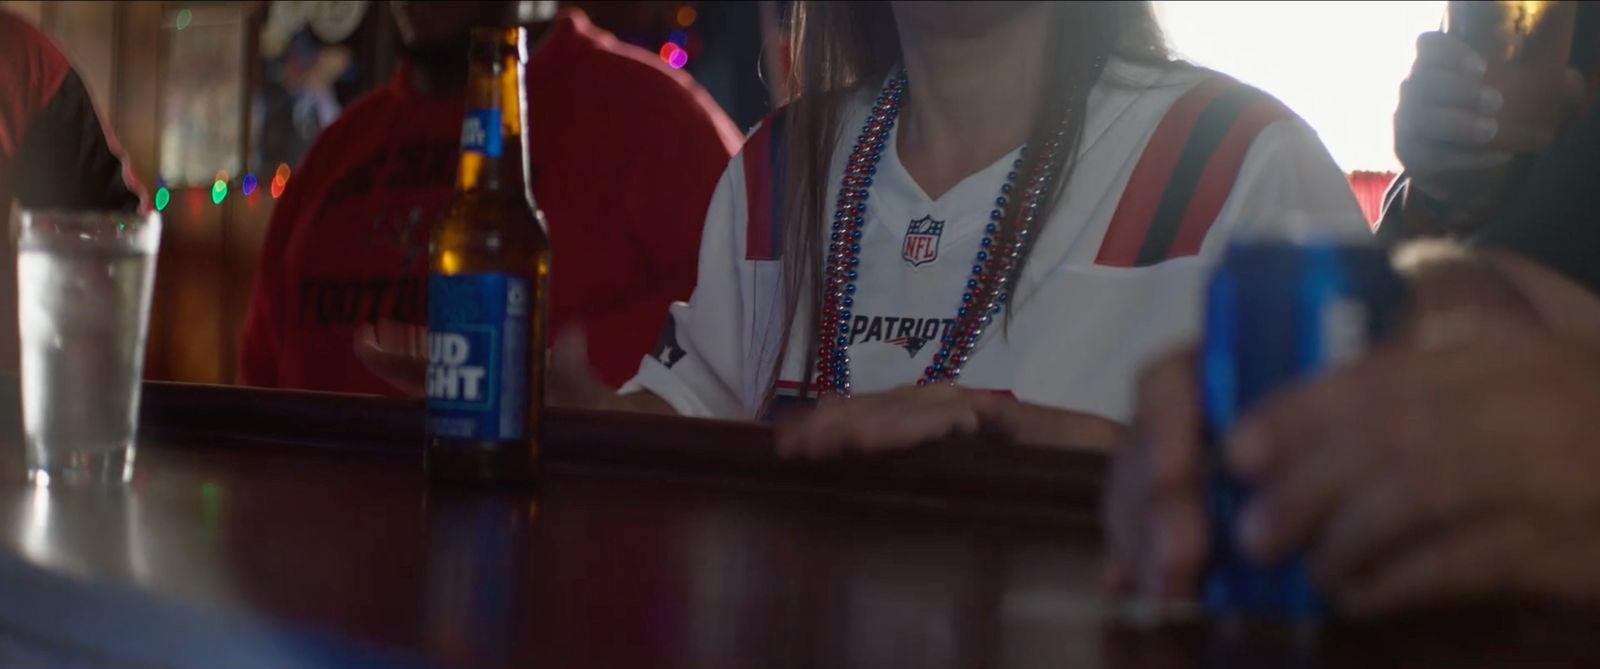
<point x="83" y="310"/>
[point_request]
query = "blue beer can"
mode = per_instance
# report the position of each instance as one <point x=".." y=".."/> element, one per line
<point x="1276" y="312"/>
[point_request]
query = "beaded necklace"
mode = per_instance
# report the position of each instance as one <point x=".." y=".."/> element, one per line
<point x="993" y="270"/>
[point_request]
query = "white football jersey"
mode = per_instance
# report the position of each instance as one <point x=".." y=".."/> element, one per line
<point x="1086" y="314"/>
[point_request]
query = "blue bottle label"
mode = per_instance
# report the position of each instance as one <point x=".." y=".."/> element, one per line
<point x="480" y="132"/>
<point x="478" y="356"/>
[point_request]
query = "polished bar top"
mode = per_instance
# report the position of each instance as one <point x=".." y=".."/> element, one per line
<point x="656" y="542"/>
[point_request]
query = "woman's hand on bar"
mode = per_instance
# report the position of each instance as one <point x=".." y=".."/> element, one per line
<point x="911" y="416"/>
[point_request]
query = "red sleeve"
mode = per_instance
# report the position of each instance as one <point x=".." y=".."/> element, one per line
<point x="31" y="69"/>
<point x="686" y="149"/>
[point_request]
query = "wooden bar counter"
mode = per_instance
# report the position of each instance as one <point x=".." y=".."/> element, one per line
<point x="652" y="543"/>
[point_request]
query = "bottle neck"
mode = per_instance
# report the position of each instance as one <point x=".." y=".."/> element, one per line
<point x="492" y="150"/>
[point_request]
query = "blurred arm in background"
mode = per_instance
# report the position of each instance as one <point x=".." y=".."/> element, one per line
<point x="54" y="151"/>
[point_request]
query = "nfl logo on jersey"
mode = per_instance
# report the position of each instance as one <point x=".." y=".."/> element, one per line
<point x="922" y="241"/>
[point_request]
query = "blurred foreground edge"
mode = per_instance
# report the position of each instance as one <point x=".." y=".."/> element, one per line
<point x="48" y="619"/>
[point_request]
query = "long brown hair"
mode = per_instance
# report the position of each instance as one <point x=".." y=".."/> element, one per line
<point x="839" y="47"/>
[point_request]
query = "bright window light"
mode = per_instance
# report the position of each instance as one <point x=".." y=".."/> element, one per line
<point x="1337" y="64"/>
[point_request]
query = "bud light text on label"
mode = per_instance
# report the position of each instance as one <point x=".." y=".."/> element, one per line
<point x="450" y="376"/>
<point x="480" y="132"/>
<point x="477" y="356"/>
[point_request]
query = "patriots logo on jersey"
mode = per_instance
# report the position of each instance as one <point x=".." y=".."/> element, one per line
<point x="922" y="241"/>
<point x="911" y="344"/>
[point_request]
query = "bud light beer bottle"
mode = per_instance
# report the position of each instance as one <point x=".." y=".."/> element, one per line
<point x="1277" y="311"/>
<point x="488" y="262"/>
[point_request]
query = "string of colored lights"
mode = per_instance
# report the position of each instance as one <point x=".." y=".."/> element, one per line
<point x="248" y="185"/>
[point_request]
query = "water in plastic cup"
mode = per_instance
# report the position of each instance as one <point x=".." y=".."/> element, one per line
<point x="83" y="308"/>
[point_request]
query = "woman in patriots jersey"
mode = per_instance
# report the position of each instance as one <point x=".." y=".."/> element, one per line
<point x="974" y="217"/>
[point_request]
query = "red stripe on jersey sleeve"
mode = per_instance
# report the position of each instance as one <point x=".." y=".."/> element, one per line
<point x="1217" y="179"/>
<point x="1140" y="197"/>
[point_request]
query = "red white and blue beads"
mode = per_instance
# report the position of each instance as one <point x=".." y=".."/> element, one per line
<point x="993" y="270"/>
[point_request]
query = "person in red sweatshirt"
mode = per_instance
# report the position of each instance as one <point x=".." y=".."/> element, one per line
<point x="624" y="155"/>
<point x="54" y="151"/>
